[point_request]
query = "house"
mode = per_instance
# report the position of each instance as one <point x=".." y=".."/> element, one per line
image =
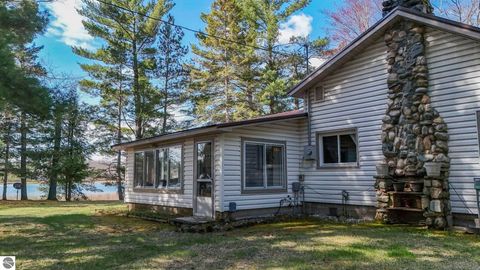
<point x="404" y="93"/>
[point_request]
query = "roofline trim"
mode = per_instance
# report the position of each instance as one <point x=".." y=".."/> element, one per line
<point x="218" y="128"/>
<point x="357" y="41"/>
<point x="399" y="12"/>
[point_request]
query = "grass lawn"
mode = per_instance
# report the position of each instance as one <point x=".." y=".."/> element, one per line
<point x="75" y="236"/>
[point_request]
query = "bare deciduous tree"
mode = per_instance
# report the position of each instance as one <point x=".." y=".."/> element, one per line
<point x="351" y="18"/>
<point x="465" y="11"/>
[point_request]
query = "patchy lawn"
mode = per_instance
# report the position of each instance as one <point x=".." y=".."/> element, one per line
<point x="76" y="236"/>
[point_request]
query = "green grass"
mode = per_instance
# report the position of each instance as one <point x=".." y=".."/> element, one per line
<point x="86" y="235"/>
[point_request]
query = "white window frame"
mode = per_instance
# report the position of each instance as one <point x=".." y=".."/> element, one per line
<point x="320" y="157"/>
<point x="180" y="174"/>
<point x="135" y="167"/>
<point x="477" y="116"/>
<point x="315" y="92"/>
<point x="154" y="187"/>
<point x="265" y="143"/>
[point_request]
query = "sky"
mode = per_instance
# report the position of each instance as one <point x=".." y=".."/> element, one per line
<point x="65" y="30"/>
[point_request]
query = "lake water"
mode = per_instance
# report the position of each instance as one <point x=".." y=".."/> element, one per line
<point x="36" y="191"/>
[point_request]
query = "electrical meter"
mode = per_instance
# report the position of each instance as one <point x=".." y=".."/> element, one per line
<point x="477" y="183"/>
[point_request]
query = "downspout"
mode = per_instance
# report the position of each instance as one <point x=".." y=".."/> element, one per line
<point x="309" y="121"/>
<point x="309" y="104"/>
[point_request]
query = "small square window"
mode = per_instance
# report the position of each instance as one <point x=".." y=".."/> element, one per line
<point x="319" y="93"/>
<point x="338" y="149"/>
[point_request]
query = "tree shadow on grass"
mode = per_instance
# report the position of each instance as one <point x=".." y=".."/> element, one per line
<point x="75" y="241"/>
<point x="306" y="245"/>
<point x="82" y="241"/>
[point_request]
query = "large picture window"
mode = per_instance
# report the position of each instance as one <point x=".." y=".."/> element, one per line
<point x="264" y="165"/>
<point x="338" y="149"/>
<point x="160" y="168"/>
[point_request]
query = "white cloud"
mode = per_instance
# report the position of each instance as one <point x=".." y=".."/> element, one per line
<point x="67" y="24"/>
<point x="317" y="61"/>
<point x="297" y="26"/>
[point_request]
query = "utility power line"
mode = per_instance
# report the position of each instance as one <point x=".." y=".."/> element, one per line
<point x="192" y="30"/>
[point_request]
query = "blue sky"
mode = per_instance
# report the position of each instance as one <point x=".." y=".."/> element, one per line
<point x="65" y="29"/>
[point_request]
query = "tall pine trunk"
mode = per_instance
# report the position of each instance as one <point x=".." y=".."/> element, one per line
<point x="227" y="93"/>
<point x="23" y="155"/>
<point x="136" y="89"/>
<point x="165" y="98"/>
<point x="165" y="105"/>
<point x="7" y="157"/>
<point x="119" y="153"/>
<point x="52" y="191"/>
<point x="138" y="98"/>
<point x="67" y="191"/>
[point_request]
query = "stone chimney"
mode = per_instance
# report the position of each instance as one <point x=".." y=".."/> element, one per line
<point x="414" y="135"/>
<point x="418" y="5"/>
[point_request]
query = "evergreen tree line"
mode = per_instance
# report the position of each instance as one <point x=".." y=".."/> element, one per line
<point x="42" y="128"/>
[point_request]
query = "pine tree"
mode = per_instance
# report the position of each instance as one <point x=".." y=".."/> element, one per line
<point x="267" y="15"/>
<point x="20" y="88"/>
<point x="215" y="80"/>
<point x="129" y="29"/>
<point x="171" y="72"/>
<point x="75" y="147"/>
<point x="20" y="22"/>
<point x="119" y="74"/>
<point x="8" y="129"/>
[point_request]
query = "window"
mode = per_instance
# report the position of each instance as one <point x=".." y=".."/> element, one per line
<point x="337" y="149"/>
<point x="319" y="93"/>
<point x="204" y="168"/>
<point x="169" y="161"/>
<point x="149" y="164"/>
<point x="263" y="165"/>
<point x="159" y="168"/>
<point x="138" y="174"/>
<point x="204" y="160"/>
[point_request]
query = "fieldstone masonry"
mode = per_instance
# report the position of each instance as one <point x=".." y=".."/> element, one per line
<point x="418" y="5"/>
<point x="413" y="132"/>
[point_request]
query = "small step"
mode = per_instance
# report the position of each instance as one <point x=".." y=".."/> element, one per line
<point x="406" y="193"/>
<point x="193" y="220"/>
<point x="405" y="209"/>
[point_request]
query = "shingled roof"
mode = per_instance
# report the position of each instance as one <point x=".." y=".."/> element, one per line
<point x="216" y="128"/>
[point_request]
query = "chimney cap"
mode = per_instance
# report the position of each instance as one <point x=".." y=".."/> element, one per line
<point x="418" y="5"/>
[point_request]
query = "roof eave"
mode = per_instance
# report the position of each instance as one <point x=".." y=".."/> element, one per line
<point x="216" y="129"/>
<point x="164" y="138"/>
<point x="344" y="54"/>
<point x="373" y="33"/>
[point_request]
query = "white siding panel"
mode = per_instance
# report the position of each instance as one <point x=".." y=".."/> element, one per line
<point x="288" y="131"/>
<point x="218" y="166"/>
<point x="454" y="77"/>
<point x="355" y="97"/>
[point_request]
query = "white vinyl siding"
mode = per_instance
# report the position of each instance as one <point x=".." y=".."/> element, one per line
<point x="287" y="131"/>
<point x="355" y="98"/>
<point x="454" y="77"/>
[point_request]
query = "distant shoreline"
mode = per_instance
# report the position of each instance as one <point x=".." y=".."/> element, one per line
<point x="44" y="182"/>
